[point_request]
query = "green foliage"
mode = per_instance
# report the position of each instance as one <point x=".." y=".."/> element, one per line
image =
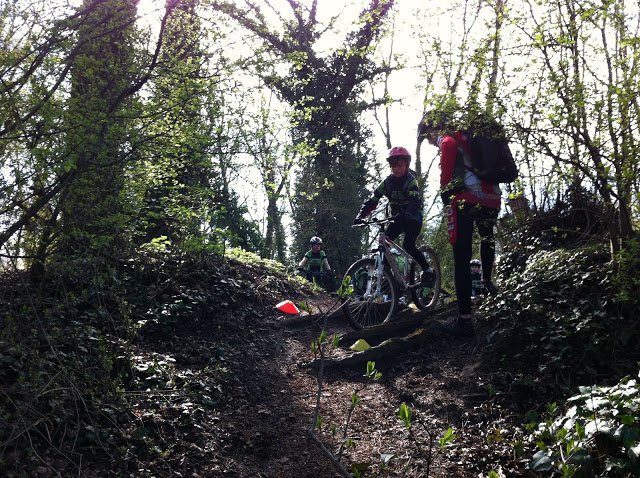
<point x="355" y="399"/>
<point x="598" y="435"/>
<point x="404" y="413"/>
<point x="329" y="136"/>
<point x="372" y="373"/>
<point x="160" y="244"/>
<point x="560" y="307"/>
<point x="346" y="288"/>
<point x="64" y="360"/>
<point x="446" y="439"/>
<point x="92" y="207"/>
<point x="75" y="362"/>
<point x="357" y="469"/>
<point x="247" y="257"/>
<point x="628" y="278"/>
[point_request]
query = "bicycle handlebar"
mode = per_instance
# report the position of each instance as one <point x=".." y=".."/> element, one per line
<point x="375" y="222"/>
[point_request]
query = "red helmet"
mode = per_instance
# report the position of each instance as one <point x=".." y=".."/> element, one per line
<point x="398" y="152"/>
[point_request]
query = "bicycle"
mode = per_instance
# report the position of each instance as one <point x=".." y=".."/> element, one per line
<point x="381" y="283"/>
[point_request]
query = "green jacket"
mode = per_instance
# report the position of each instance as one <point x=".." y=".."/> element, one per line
<point x="315" y="260"/>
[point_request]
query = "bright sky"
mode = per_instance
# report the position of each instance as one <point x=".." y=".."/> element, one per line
<point x="404" y="85"/>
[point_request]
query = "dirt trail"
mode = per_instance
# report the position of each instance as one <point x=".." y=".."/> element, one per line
<point x="250" y="398"/>
<point x="443" y="384"/>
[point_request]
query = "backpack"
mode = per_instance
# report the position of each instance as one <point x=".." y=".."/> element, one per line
<point x="491" y="159"/>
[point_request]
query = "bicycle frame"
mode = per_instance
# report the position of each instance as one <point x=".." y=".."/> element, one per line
<point x="384" y="251"/>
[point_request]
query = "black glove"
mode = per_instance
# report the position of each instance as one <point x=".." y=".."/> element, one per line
<point x="446" y="197"/>
<point x="358" y="221"/>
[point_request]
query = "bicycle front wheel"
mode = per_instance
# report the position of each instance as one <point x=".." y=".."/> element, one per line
<point x="371" y="302"/>
<point x="426" y="296"/>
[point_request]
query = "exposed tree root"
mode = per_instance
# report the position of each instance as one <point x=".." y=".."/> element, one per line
<point x="406" y="320"/>
<point x="423" y="326"/>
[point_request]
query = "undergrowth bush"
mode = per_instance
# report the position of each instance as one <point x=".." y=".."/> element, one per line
<point x="70" y="347"/>
<point x="628" y="280"/>
<point x="63" y="354"/>
<point x="564" y="320"/>
<point x="561" y="312"/>
<point x="597" y="435"/>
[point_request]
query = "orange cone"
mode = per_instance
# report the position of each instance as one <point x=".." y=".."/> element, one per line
<point x="288" y="307"/>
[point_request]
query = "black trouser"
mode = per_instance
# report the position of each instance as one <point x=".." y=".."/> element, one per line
<point x="411" y="229"/>
<point x="485" y="219"/>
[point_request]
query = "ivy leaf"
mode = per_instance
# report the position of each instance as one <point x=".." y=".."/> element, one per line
<point x="634" y="452"/>
<point x="541" y="462"/>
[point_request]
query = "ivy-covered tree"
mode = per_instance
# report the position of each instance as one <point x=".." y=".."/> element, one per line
<point x="34" y="42"/>
<point x="68" y="77"/>
<point x="91" y="208"/>
<point x="323" y="90"/>
<point x="173" y="174"/>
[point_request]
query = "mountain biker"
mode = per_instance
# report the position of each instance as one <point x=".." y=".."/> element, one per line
<point x="402" y="190"/>
<point x="476" y="278"/>
<point x="469" y="201"/>
<point x="315" y="261"/>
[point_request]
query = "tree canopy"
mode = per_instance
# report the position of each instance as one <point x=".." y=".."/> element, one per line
<point x="118" y="132"/>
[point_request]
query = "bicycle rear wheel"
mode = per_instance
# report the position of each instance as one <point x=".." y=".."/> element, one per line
<point x="369" y="304"/>
<point x="426" y="296"/>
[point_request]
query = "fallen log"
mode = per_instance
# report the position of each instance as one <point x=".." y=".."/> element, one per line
<point x="406" y="320"/>
<point x="429" y="330"/>
<point x="424" y="325"/>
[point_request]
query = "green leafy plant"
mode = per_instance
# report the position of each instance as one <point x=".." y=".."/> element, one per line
<point x="446" y="439"/>
<point x="628" y="280"/>
<point x="372" y="372"/>
<point x="346" y="288"/>
<point x="159" y="244"/>
<point x="404" y="413"/>
<point x="599" y="433"/>
<point x="558" y="306"/>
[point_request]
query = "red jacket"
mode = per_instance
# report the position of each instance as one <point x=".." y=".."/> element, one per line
<point x="476" y="191"/>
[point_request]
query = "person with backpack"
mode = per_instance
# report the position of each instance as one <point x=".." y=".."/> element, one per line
<point x="469" y="201"/>
<point x="315" y="265"/>
<point x="402" y="190"/>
